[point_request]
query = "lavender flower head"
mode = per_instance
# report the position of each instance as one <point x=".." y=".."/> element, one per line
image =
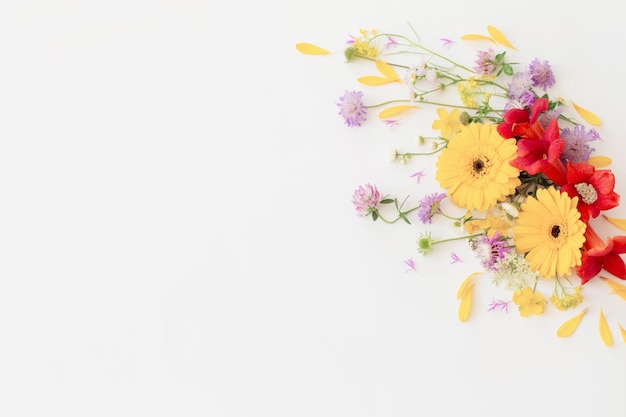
<point x="541" y="74"/>
<point x="577" y="147"/>
<point x="351" y="108"/>
<point x="429" y="206"/>
<point x="366" y="199"/>
<point x="519" y="91"/>
<point x="490" y="250"/>
<point x="484" y="62"/>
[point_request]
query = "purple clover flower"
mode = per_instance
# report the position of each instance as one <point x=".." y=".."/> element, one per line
<point x="366" y="199"/>
<point x="351" y="108"/>
<point x="429" y="206"/>
<point x="577" y="147"/>
<point x="541" y="74"/>
<point x="490" y="250"/>
<point x="484" y="62"/>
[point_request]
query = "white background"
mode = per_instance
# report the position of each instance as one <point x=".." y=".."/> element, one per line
<point x="177" y="236"/>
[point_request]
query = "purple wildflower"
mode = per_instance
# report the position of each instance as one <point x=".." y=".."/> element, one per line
<point x="391" y="123"/>
<point x="429" y="206"/>
<point x="498" y="305"/>
<point x="390" y="42"/>
<point x="490" y="250"/>
<point x="455" y="258"/>
<point x="484" y="62"/>
<point x="411" y="264"/>
<point x="446" y="42"/>
<point x="418" y="175"/>
<point x="541" y="74"/>
<point x="577" y="148"/>
<point x="366" y="199"/>
<point x="352" y="108"/>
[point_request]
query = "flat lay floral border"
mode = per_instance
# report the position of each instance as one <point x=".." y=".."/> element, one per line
<point x="516" y="165"/>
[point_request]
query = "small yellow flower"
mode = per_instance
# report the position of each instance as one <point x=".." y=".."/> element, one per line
<point x="448" y="123"/>
<point x="563" y="300"/>
<point x="529" y="301"/>
<point x="467" y="96"/>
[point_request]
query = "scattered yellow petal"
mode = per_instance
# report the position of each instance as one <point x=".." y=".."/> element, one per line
<point x="310" y="49"/>
<point x="499" y="37"/>
<point x="587" y="116"/>
<point x="622" y="331"/>
<point x="395" y="110"/>
<point x="466" y="303"/>
<point x="570" y="325"/>
<point x="374" y="80"/>
<point x="621" y="223"/>
<point x="475" y="37"/>
<point x="618" y="289"/>
<point x="605" y="331"/>
<point x="466" y="281"/>
<point x="599" y="161"/>
<point x="387" y="70"/>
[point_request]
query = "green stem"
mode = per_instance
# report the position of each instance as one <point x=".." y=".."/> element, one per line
<point x="456" y="238"/>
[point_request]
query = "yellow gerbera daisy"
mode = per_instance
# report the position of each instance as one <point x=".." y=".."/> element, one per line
<point x="475" y="168"/>
<point x="448" y="123"/>
<point x="550" y="232"/>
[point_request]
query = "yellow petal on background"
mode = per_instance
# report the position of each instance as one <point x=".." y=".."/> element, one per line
<point x="618" y="289"/>
<point x="466" y="281"/>
<point x="475" y="37"/>
<point x="466" y="303"/>
<point x="599" y="161"/>
<point x="605" y="331"/>
<point x="587" y="116"/>
<point x="570" y="325"/>
<point x="622" y="331"/>
<point x="395" y="110"/>
<point x="499" y="37"/>
<point x="310" y="49"/>
<point x="621" y="223"/>
<point x="387" y="70"/>
<point x="374" y="80"/>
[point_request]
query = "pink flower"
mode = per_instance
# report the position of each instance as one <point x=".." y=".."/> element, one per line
<point x="366" y="200"/>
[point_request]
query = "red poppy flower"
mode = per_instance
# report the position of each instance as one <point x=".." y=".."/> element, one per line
<point x="598" y="255"/>
<point x="594" y="189"/>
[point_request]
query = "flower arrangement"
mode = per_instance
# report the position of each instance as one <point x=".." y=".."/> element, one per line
<point x="517" y="167"/>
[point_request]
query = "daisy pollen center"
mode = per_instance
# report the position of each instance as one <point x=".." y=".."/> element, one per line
<point x="480" y="166"/>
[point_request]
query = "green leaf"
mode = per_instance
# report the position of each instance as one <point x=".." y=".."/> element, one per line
<point x="374" y="216"/>
<point x="387" y="201"/>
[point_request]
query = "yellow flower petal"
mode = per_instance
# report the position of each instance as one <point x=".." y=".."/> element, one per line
<point x="463" y="286"/>
<point x="599" y="161"/>
<point x="570" y="325"/>
<point x="605" y="331"/>
<point x="466" y="303"/>
<point x="587" y="116"/>
<point x="622" y="331"/>
<point x="387" y="70"/>
<point x="310" y="49"/>
<point x="499" y="37"/>
<point x="618" y="289"/>
<point x="374" y="80"/>
<point x="621" y="223"/>
<point x="394" y="111"/>
<point x="475" y="37"/>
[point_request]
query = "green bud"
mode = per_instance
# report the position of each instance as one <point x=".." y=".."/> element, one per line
<point x="465" y="118"/>
<point x="349" y="53"/>
<point x="421" y="140"/>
